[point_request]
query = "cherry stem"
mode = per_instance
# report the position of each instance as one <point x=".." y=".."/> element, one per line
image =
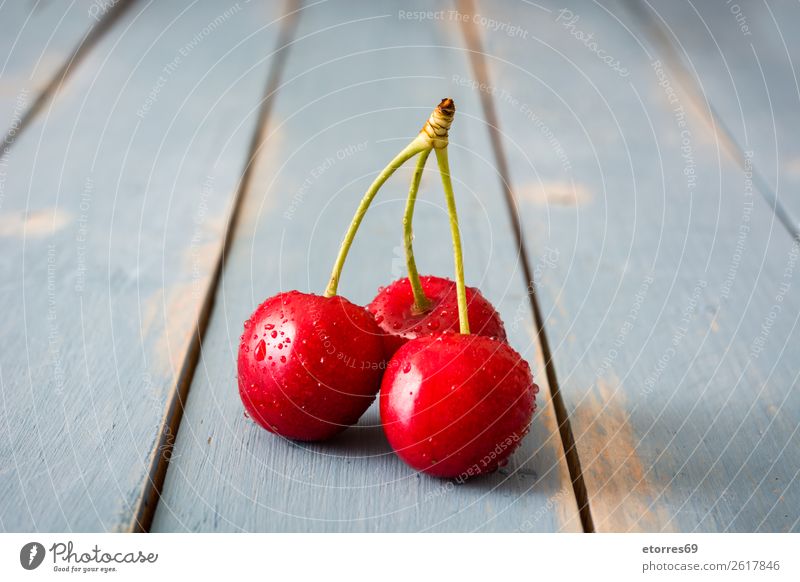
<point x="419" y="144"/>
<point x="421" y="303"/>
<point x="461" y="289"/>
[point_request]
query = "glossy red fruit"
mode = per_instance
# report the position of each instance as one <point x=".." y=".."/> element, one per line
<point x="309" y="366"/>
<point x="456" y="405"/>
<point x="394" y="312"/>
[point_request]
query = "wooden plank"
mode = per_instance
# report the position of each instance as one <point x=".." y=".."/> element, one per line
<point x="112" y="226"/>
<point x="37" y="40"/>
<point x="670" y="315"/>
<point x="743" y="60"/>
<point x="344" y="111"/>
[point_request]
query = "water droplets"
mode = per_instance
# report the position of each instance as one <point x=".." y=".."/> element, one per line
<point x="261" y="351"/>
<point x="406" y="368"/>
<point x="274" y="334"/>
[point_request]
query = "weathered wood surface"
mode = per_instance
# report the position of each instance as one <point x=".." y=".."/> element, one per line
<point x="671" y="311"/>
<point x="665" y="278"/>
<point x="36" y="40"/>
<point x="359" y="83"/>
<point x="745" y="60"/>
<point x="112" y="223"/>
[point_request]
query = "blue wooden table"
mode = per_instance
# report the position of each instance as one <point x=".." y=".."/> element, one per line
<point x="627" y="176"/>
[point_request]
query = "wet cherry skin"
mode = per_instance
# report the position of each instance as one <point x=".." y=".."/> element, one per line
<point x="309" y="366"/>
<point x="456" y="405"/>
<point x="394" y="312"/>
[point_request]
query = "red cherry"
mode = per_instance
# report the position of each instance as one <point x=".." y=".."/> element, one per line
<point x="394" y="312"/>
<point x="309" y="366"/>
<point x="456" y="405"/>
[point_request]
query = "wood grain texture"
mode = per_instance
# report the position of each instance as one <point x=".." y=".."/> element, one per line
<point x="112" y="225"/>
<point x="671" y="311"/>
<point x="360" y="81"/>
<point x="36" y="40"/>
<point x="745" y="61"/>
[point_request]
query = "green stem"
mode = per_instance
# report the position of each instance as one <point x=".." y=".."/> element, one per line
<point x="461" y="289"/>
<point x="421" y="303"/>
<point x="419" y="144"/>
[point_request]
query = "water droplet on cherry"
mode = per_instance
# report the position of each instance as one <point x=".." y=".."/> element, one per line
<point x="261" y="351"/>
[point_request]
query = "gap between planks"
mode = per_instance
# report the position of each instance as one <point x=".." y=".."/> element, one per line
<point x="143" y="516"/>
<point x="480" y="69"/>
<point x="89" y="40"/>
<point x="661" y="39"/>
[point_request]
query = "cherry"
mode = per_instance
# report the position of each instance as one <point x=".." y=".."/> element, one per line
<point x="452" y="404"/>
<point x="396" y="314"/>
<point x="309" y="366"/>
<point x="456" y="405"/>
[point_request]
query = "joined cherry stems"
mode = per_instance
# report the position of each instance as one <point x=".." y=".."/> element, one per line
<point x="433" y="136"/>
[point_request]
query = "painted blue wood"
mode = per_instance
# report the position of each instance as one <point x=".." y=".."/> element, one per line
<point x="36" y="39"/>
<point x="115" y="208"/>
<point x="671" y="311"/>
<point x="745" y="60"/>
<point x="360" y="81"/>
